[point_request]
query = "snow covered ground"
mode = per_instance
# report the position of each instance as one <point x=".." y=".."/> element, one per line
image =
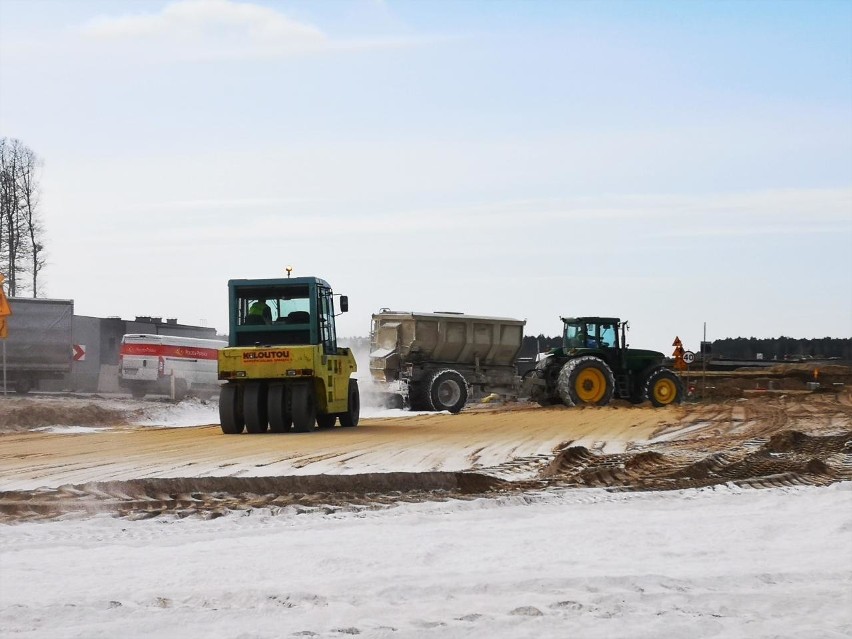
<point x="721" y="562"/>
<point x="161" y="412"/>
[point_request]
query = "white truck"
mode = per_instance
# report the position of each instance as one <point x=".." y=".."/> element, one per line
<point x="169" y="365"/>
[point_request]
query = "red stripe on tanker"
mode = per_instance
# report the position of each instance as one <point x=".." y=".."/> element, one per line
<point x="161" y="350"/>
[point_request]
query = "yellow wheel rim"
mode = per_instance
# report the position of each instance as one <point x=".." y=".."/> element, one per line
<point x="590" y="385"/>
<point x="665" y="391"/>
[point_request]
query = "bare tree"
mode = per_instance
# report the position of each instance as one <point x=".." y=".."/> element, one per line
<point x="21" y="231"/>
<point x="28" y="186"/>
<point x="9" y="240"/>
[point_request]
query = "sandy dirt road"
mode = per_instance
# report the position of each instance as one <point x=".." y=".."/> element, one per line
<point x="433" y="442"/>
<point x="771" y="440"/>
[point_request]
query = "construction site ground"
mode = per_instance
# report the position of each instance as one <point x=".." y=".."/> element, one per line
<point x="108" y="463"/>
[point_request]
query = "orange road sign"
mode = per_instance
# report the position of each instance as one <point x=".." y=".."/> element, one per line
<point x="677" y="342"/>
<point x="5" y="309"/>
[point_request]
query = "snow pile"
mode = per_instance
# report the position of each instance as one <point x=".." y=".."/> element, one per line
<point x="189" y="412"/>
<point x="584" y="563"/>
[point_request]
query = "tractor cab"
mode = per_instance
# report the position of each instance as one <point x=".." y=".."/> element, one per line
<point x="272" y="312"/>
<point x="591" y="332"/>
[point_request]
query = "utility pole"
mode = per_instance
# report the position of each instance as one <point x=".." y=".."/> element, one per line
<point x="704" y="364"/>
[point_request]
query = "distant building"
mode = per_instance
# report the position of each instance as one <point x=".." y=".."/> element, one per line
<point x="101" y="339"/>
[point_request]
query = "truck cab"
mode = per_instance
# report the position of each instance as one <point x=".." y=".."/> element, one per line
<point x="283" y="369"/>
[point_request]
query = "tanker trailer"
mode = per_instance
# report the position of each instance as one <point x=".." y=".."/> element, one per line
<point x="439" y="361"/>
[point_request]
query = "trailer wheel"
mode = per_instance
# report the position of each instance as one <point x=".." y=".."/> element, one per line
<point x="278" y="408"/>
<point x="138" y="392"/>
<point x="231" y="409"/>
<point x="350" y="418"/>
<point x="254" y="407"/>
<point x="418" y="397"/>
<point x="23" y="386"/>
<point x="448" y="391"/>
<point x="326" y="420"/>
<point x="663" y="388"/>
<point x="586" y="380"/>
<point x="304" y="408"/>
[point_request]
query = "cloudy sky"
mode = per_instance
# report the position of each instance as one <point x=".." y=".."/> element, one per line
<point x="670" y="163"/>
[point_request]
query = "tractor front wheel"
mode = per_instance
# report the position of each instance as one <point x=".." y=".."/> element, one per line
<point x="586" y="381"/>
<point x="663" y="388"/>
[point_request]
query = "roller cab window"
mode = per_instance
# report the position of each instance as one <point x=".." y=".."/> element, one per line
<point x="290" y="306"/>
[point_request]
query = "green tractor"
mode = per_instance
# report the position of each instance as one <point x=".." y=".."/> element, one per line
<point x="594" y="365"/>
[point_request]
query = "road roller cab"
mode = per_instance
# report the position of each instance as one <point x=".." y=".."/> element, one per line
<point x="283" y="370"/>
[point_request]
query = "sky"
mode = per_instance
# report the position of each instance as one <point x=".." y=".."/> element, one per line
<point x="679" y="165"/>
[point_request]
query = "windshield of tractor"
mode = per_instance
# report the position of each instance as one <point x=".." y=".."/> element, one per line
<point x="608" y="335"/>
<point x="590" y="335"/>
<point x="274" y="305"/>
<point x="575" y="335"/>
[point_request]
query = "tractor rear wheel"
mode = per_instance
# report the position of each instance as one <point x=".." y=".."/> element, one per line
<point x="231" y="409"/>
<point x="278" y="408"/>
<point x="350" y="418"/>
<point x="254" y="407"/>
<point x="304" y="408"/>
<point x="586" y="381"/>
<point x="448" y="391"/>
<point x="663" y="388"/>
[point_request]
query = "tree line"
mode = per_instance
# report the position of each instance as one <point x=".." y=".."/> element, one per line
<point x="780" y="348"/>
<point x="777" y="348"/>
<point x="22" y="252"/>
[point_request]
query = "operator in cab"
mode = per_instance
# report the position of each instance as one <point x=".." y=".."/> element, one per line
<point x="259" y="313"/>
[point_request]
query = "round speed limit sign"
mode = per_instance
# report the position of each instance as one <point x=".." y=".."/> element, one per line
<point x="688" y="357"/>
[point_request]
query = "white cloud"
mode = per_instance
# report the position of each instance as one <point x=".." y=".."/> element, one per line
<point x="220" y="29"/>
<point x="205" y="26"/>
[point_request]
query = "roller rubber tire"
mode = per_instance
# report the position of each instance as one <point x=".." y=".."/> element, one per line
<point x="304" y="407"/>
<point x="586" y="381"/>
<point x="448" y="391"/>
<point x="326" y="421"/>
<point x="350" y="418"/>
<point x="278" y="409"/>
<point x="231" y="410"/>
<point x="254" y="407"/>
